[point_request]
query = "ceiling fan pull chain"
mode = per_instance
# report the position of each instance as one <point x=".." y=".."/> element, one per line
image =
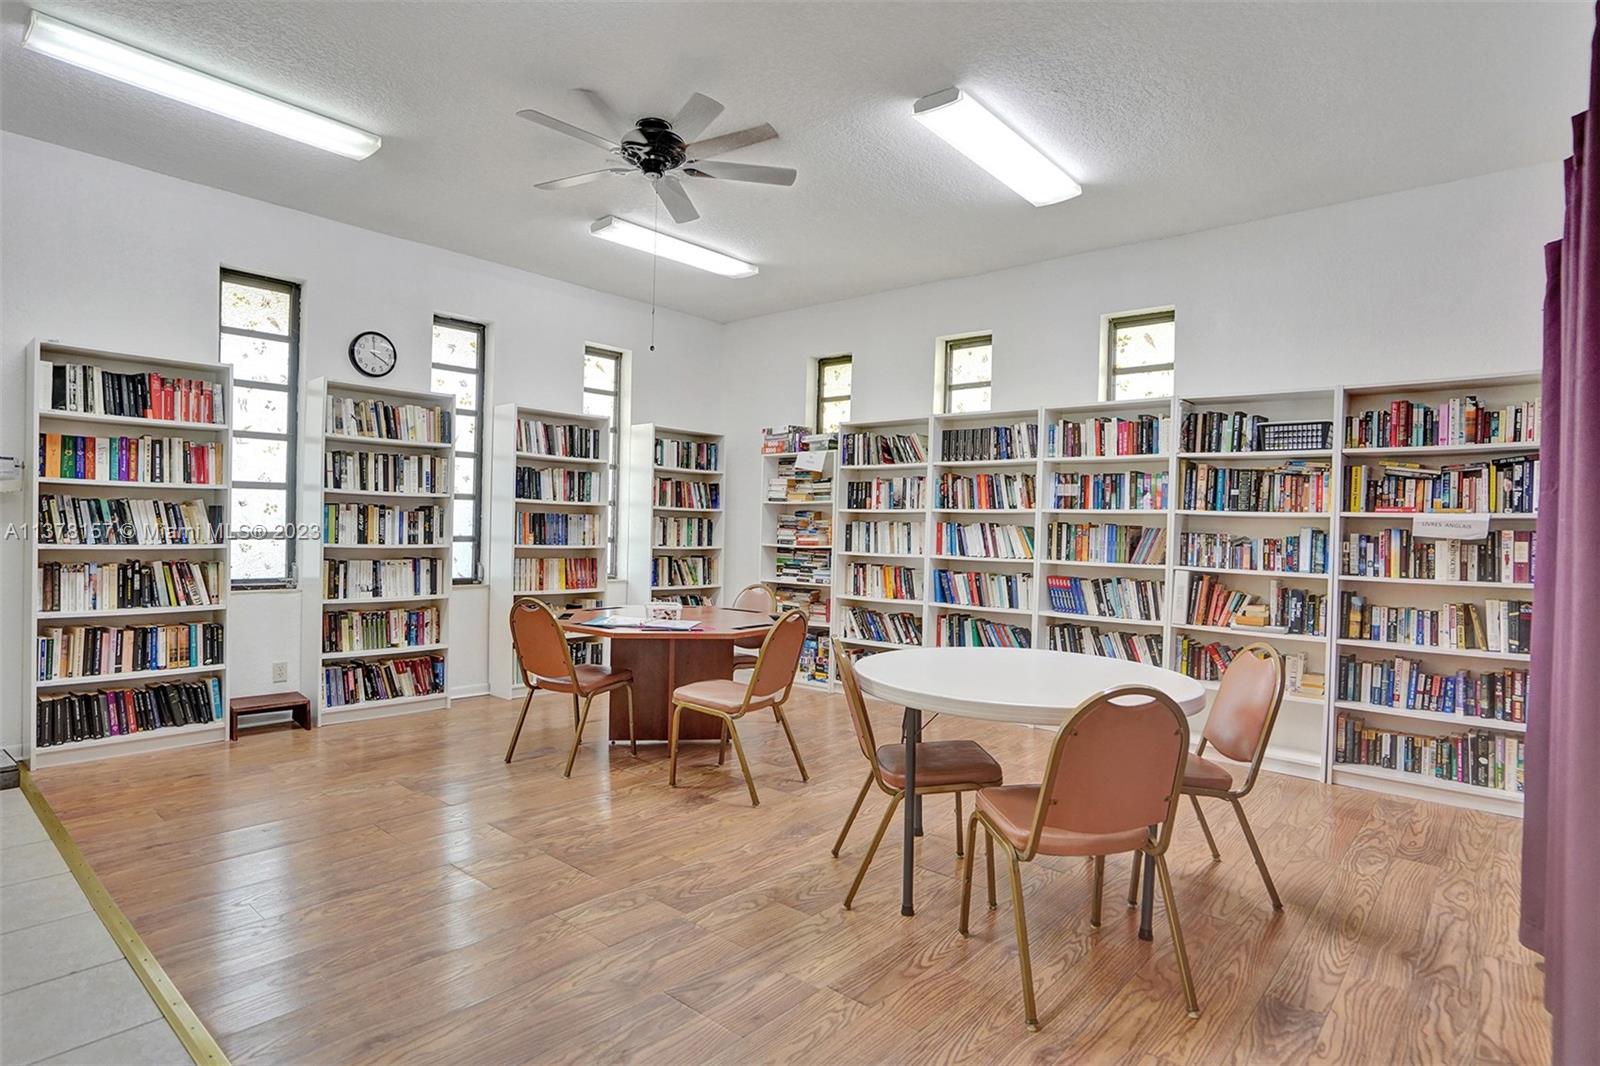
<point x="655" y="226"/>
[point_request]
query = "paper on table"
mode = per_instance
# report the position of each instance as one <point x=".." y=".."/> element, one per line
<point x="627" y="621"/>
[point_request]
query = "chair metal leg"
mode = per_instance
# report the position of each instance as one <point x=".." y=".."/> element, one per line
<point x="783" y="720"/>
<point x="1099" y="886"/>
<point x="738" y="749"/>
<point x="577" y="737"/>
<point x="861" y="797"/>
<point x="872" y="848"/>
<point x="958" y="825"/>
<point x="1216" y="856"/>
<point x="517" y="732"/>
<point x="633" y="736"/>
<point x="1030" y="1012"/>
<point x="577" y="726"/>
<point x="722" y="745"/>
<point x="966" y="867"/>
<point x="1255" y="849"/>
<point x="1177" y="936"/>
<point x="988" y="853"/>
<point x="672" y="746"/>
<point x="1133" y="881"/>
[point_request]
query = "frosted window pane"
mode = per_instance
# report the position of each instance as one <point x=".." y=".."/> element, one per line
<point x="968" y="365"/>
<point x="466" y="479"/>
<point x="834" y="412"/>
<point x="458" y="347"/>
<point x="464" y="510"/>
<point x="1152" y="384"/>
<point x="599" y="372"/>
<point x="260" y="460"/>
<point x="1146" y="345"/>
<point x="259" y="560"/>
<point x="260" y="410"/>
<point x="464" y="387"/>
<point x="963" y="401"/>
<point x="256" y="359"/>
<point x="258" y="310"/>
<point x="467" y="433"/>
<point x="461" y="560"/>
<point x="266" y="508"/>
<point x="836" y="379"/>
<point x="597" y="404"/>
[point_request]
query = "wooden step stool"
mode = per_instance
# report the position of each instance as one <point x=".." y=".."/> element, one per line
<point x="297" y="705"/>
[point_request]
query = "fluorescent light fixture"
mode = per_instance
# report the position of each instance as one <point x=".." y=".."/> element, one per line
<point x="621" y="231"/>
<point x="996" y="147"/>
<point x="70" y="44"/>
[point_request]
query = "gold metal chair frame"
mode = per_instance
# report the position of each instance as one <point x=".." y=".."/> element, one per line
<point x="580" y="713"/>
<point x="896" y="795"/>
<point x="748" y="662"/>
<point x="1233" y="796"/>
<point x="729" y="730"/>
<point x="1155" y="849"/>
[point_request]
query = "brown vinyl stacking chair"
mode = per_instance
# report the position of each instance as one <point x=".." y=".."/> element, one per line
<point x="1239" y="725"/>
<point x="752" y="598"/>
<point x="942" y="766"/>
<point x="1111" y="785"/>
<point x="729" y="700"/>
<point x="546" y="662"/>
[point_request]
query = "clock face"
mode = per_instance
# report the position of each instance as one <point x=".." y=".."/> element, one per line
<point x="373" y="354"/>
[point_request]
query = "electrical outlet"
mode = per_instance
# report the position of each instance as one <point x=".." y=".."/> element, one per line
<point x="280" y="673"/>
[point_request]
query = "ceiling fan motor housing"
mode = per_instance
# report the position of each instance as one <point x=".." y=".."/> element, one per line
<point x="653" y="147"/>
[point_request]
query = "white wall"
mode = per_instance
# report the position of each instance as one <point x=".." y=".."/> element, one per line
<point x="1446" y="280"/>
<point x="104" y="255"/>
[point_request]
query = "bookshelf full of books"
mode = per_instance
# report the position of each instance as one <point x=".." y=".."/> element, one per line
<point x="129" y="556"/>
<point x="1253" y="521"/>
<point x="1438" y="502"/>
<point x="880" y="535"/>
<point x="676" y="484"/>
<point x="1106" y="513"/>
<point x="547" y="533"/>
<point x="377" y="474"/>
<point x="798" y="468"/>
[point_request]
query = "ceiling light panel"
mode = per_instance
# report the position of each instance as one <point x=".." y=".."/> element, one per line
<point x="977" y="134"/>
<point x="642" y="238"/>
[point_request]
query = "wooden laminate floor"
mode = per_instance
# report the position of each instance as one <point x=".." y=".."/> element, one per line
<point x="393" y="891"/>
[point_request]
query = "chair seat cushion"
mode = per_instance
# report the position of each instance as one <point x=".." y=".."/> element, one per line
<point x="754" y="642"/>
<point x="940" y="763"/>
<point x="718" y="694"/>
<point x="1203" y="773"/>
<point x="1012" y="810"/>
<point x="590" y="679"/>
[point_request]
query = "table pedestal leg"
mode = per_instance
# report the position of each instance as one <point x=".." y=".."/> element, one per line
<point x="913" y="821"/>
<point x="1147" y="901"/>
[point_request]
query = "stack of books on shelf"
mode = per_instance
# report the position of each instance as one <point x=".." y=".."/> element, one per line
<point x="1504" y="557"/>
<point x="90" y="651"/>
<point x="348" y="683"/>
<point x="883" y="537"/>
<point x="144" y="460"/>
<point x="1481" y="758"/>
<point x="353" y="524"/>
<point x="813" y="602"/>
<point x="399" y="627"/>
<point x="784" y="440"/>
<point x="1406" y="684"/>
<point x="413" y="423"/>
<point x="1219" y="431"/>
<point x="1295" y="487"/>
<point x="1208" y="601"/>
<point x="1505" y="485"/>
<point x="85" y="388"/>
<point x="684" y="531"/>
<point x="805" y="529"/>
<point x="977" y="588"/>
<point x="1095" y="542"/>
<point x="886" y="494"/>
<point x="1457" y="422"/>
<point x="990" y="443"/>
<point x="682" y="571"/>
<point x="983" y="540"/>
<point x="1110" y="435"/>
<point x="82" y="520"/>
<point x="1090" y="640"/>
<point x="793" y="485"/>
<point x="880" y="581"/>
<point x="567" y="440"/>
<point x="77" y="716"/>
<point x="557" y="485"/>
<point x="544" y="529"/>
<point x="377" y="579"/>
<point x="128" y="584"/>
<point x="813" y="567"/>
<point x="540" y="574"/>
<point x="366" y="471"/>
<point x="869" y="449"/>
<point x="986" y="492"/>
<point x="682" y="494"/>
<point x="969" y="631"/>
<point x="1305" y="552"/>
<point x="865" y="623"/>
<point x="1137" y="490"/>
<point x="1501" y="626"/>
<point x="679" y="454"/>
<point x="816" y="659"/>
<point x="1106" y="597"/>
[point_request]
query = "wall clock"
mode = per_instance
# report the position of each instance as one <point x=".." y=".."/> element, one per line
<point x="372" y="354"/>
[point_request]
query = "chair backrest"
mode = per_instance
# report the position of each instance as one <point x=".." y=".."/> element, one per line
<point x="857" y="705"/>
<point x="1116" y="765"/>
<point x="1246" y="706"/>
<point x="756" y="598"/>
<point x="778" y="658"/>
<point x="540" y="642"/>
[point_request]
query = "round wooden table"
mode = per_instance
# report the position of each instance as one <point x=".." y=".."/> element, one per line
<point x="1022" y="685"/>
<point x="662" y="660"/>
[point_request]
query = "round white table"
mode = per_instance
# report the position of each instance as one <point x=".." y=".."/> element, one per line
<point x="1021" y="685"/>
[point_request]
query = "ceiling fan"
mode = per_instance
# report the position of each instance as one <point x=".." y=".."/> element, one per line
<point x="662" y="149"/>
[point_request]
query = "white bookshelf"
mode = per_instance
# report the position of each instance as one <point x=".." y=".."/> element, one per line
<point x="319" y="442"/>
<point x="572" y="451"/>
<point x="776" y="508"/>
<point x="858" y="468"/>
<point x="44" y="418"/>
<point x="656" y="458"/>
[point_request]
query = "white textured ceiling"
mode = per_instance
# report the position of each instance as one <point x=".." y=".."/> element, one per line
<point x="1174" y="117"/>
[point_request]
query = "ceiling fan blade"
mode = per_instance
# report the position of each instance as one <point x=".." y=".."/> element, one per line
<point x="566" y="127"/>
<point x="614" y="123"/>
<point x="675" y="199"/>
<point x="581" y="179"/>
<point x="693" y="118"/>
<point x="728" y="142"/>
<point x="712" y="168"/>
